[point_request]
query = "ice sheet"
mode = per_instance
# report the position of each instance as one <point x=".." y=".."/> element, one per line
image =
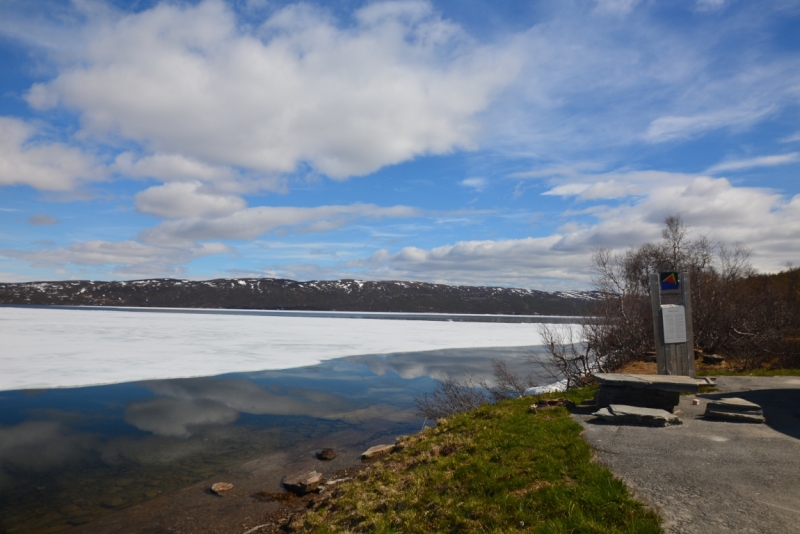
<point x="44" y="348"/>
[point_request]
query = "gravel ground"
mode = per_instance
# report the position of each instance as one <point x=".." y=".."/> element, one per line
<point x="711" y="476"/>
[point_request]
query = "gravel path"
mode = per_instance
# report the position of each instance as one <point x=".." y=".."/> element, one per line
<point x="710" y="476"/>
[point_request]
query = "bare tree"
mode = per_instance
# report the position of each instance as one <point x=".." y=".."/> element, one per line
<point x="452" y="395"/>
<point x="733" y="313"/>
<point x="569" y="356"/>
<point x="508" y="385"/>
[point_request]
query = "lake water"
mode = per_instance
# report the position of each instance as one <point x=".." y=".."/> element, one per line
<point x="71" y="455"/>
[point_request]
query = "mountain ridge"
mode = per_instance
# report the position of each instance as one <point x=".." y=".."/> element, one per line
<point x="314" y="295"/>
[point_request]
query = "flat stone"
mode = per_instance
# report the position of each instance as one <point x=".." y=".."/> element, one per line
<point x="735" y="409"/>
<point x="662" y="382"/>
<point x="376" y="451"/>
<point x="635" y="415"/>
<point x="734" y="404"/>
<point x="302" y="483"/>
<point x="735" y="417"/>
<point x="713" y="359"/>
<point x="221" y="487"/>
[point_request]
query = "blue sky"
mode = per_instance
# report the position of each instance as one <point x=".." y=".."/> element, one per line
<point x="461" y="141"/>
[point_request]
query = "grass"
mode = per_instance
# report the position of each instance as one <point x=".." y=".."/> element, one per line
<point x="753" y="372"/>
<point x="500" y="468"/>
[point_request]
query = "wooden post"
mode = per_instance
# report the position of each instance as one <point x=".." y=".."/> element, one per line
<point x="689" y="368"/>
<point x="673" y="358"/>
<point x="658" y="327"/>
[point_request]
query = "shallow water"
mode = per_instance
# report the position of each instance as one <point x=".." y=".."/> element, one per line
<point x="68" y="456"/>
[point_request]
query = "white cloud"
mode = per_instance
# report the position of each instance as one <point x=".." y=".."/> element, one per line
<point x="762" y="161"/>
<point x="171" y="167"/>
<point x="710" y="5"/>
<point x="478" y="184"/>
<point x="133" y="258"/>
<point x="762" y="220"/>
<point x="671" y="128"/>
<point x="186" y="199"/>
<point x="42" y="219"/>
<point x="791" y="138"/>
<point x="616" y="7"/>
<point x="596" y="86"/>
<point x="45" y="165"/>
<point x="188" y="81"/>
<point x="252" y="222"/>
<point x="614" y="184"/>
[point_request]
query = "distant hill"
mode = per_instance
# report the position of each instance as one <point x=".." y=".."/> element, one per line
<point x="278" y="294"/>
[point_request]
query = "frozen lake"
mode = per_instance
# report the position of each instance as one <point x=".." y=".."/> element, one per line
<point x="51" y="347"/>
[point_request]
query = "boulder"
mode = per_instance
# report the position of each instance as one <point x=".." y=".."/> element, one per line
<point x="221" y="487"/>
<point x="326" y="455"/>
<point x="302" y="483"/>
<point x="736" y="410"/>
<point x="376" y="451"/>
<point x="635" y="415"/>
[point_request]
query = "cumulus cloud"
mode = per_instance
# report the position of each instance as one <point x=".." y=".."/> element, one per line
<point x="189" y="80"/>
<point x="46" y="165"/>
<point x="765" y="221"/>
<point x="133" y="258"/>
<point x="42" y="219"/>
<point x="186" y="199"/>
<point x="253" y="222"/>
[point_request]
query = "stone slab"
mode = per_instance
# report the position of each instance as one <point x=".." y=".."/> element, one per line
<point x="734" y="404"/>
<point x="735" y="417"/>
<point x="735" y="409"/>
<point x="622" y="414"/>
<point x="662" y="382"/>
<point x="634" y="396"/>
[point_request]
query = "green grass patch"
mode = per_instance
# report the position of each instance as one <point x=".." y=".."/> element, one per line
<point x="752" y="372"/>
<point x="500" y="468"/>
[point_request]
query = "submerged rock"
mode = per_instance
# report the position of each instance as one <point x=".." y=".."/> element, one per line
<point x="302" y="483"/>
<point x="221" y="487"/>
<point x="326" y="455"/>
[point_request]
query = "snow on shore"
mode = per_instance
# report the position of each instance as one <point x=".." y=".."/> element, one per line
<point x="44" y="348"/>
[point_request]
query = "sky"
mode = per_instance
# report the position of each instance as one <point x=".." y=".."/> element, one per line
<point x="457" y="141"/>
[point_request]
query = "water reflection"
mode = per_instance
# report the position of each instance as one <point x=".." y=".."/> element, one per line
<point x="440" y="363"/>
<point x="68" y="456"/>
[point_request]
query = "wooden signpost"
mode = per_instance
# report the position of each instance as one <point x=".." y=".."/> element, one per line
<point x="672" y="323"/>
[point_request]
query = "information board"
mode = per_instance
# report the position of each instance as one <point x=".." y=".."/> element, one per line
<point x="674" y="317"/>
